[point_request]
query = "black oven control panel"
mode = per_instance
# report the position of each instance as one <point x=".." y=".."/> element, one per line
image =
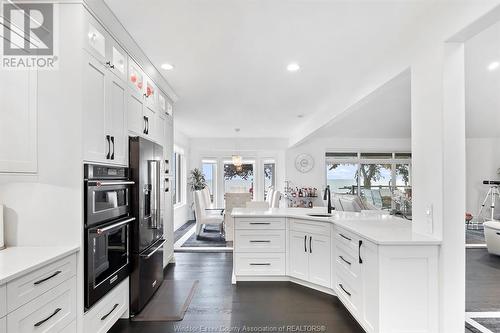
<point x="95" y="171"/>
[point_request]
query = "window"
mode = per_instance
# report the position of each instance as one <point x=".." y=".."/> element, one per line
<point x="238" y="179"/>
<point x="269" y="176"/>
<point x="342" y="177"/>
<point x="177" y="188"/>
<point x="377" y="177"/>
<point x="209" y="169"/>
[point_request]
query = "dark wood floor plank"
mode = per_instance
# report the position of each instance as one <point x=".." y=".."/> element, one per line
<point x="219" y="304"/>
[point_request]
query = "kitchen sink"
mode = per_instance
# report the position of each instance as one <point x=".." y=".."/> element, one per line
<point x="320" y="215"/>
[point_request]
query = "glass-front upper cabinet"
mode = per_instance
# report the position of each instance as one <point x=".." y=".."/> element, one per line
<point x="118" y="60"/>
<point x="135" y="77"/>
<point x="96" y="39"/>
<point x="150" y="94"/>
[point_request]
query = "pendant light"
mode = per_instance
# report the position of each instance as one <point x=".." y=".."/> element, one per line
<point x="236" y="158"/>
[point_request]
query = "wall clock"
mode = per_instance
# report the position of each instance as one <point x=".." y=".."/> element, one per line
<point x="304" y="163"/>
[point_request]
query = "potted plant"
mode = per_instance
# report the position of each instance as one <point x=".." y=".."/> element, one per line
<point x="196" y="182"/>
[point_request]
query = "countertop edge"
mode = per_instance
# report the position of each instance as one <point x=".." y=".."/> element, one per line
<point x="429" y="242"/>
<point x="65" y="251"/>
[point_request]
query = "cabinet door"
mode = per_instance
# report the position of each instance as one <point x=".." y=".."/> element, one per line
<point x="96" y="143"/>
<point x="320" y="260"/>
<point x="161" y="124"/>
<point x="299" y="256"/>
<point x="136" y="78"/>
<point x="117" y="59"/>
<point x="135" y="116"/>
<point x="151" y="126"/>
<point x="369" y="285"/>
<point x="150" y="94"/>
<point x="96" y="39"/>
<point x="18" y="121"/>
<point x="116" y="119"/>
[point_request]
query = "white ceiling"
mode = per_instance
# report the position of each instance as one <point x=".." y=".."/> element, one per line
<point x="230" y="56"/>
<point x="482" y="85"/>
<point x="385" y="114"/>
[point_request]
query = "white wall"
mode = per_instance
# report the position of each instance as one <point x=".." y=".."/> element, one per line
<point x="182" y="211"/>
<point x="483" y="161"/>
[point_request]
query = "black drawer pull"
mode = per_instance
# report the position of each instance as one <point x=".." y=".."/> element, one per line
<point x="260" y="264"/>
<point x="47" y="278"/>
<point x="347" y="262"/>
<point x="44" y="320"/>
<point x="342" y="287"/>
<point x="345" y="237"/>
<point x="260" y="223"/>
<point x="305" y="244"/>
<point x="359" y="251"/>
<point x="260" y="241"/>
<point x="310" y="244"/>
<point x="113" y="309"/>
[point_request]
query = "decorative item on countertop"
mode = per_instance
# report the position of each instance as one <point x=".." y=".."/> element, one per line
<point x="2" y="240"/>
<point x="301" y="197"/>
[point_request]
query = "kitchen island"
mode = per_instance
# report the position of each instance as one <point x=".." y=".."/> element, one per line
<point x="384" y="274"/>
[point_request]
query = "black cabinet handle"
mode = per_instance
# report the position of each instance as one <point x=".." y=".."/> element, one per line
<point x="107" y="314"/>
<point x="108" y="138"/>
<point x="305" y="244"/>
<point x="260" y="241"/>
<point x="345" y="237"/>
<point x="342" y="287"/>
<point x="147" y="125"/>
<point x="310" y="244"/>
<point x="144" y="119"/>
<point x="167" y="185"/>
<point x="110" y="65"/>
<point x="145" y="95"/>
<point x="44" y="320"/>
<point x="260" y="264"/>
<point x="359" y="251"/>
<point x="113" y="142"/>
<point x="47" y="278"/>
<point x="343" y="259"/>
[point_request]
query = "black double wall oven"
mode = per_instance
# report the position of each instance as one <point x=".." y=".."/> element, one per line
<point x="107" y="229"/>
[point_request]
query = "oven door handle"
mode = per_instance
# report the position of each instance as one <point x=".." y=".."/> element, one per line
<point x="99" y="183"/>
<point x="147" y="256"/>
<point x="113" y="226"/>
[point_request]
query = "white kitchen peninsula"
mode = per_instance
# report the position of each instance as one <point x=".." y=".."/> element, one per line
<point x="384" y="274"/>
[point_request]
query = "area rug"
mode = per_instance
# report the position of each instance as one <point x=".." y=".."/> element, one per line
<point x="170" y="302"/>
<point x="210" y="237"/>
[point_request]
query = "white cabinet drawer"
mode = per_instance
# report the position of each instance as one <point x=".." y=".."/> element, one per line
<point x="310" y="227"/>
<point x="259" y="241"/>
<point x="108" y="310"/>
<point x="347" y="241"/>
<point x="260" y="223"/>
<point x="51" y="312"/>
<point x="259" y="263"/>
<point x="346" y="262"/>
<point x="26" y="288"/>
<point x="349" y="295"/>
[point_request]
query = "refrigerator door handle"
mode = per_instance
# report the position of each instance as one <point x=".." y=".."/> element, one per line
<point x="154" y="177"/>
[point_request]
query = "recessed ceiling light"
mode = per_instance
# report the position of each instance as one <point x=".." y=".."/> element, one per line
<point x="494" y="65"/>
<point x="167" y="66"/>
<point x="293" y="67"/>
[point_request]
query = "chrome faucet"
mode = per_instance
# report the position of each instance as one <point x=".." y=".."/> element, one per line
<point x="326" y="196"/>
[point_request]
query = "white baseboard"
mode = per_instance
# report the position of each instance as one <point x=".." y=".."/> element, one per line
<point x="281" y="278"/>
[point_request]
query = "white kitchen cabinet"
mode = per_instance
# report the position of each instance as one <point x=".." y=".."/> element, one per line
<point x="116" y="122"/>
<point x="150" y="94"/>
<point x="96" y="39"/>
<point x="299" y="258"/>
<point x="104" y="122"/>
<point x="320" y="260"/>
<point x="117" y="59"/>
<point x="135" y="116"/>
<point x="96" y="143"/>
<point x="151" y="123"/>
<point x="310" y="251"/>
<point x="368" y="260"/>
<point x="18" y="120"/>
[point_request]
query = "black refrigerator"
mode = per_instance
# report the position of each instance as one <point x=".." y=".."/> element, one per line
<point x="146" y="239"/>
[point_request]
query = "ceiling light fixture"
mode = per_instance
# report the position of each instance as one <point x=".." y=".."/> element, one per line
<point x="167" y="66"/>
<point x="293" y="67"/>
<point x="494" y="65"/>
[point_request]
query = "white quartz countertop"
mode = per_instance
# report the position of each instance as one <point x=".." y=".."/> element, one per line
<point x="19" y="260"/>
<point x="379" y="229"/>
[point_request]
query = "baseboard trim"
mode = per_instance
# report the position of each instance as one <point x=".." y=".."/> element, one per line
<point x="281" y="278"/>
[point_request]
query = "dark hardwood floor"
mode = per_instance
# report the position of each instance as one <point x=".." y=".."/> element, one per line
<point x="219" y="306"/>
